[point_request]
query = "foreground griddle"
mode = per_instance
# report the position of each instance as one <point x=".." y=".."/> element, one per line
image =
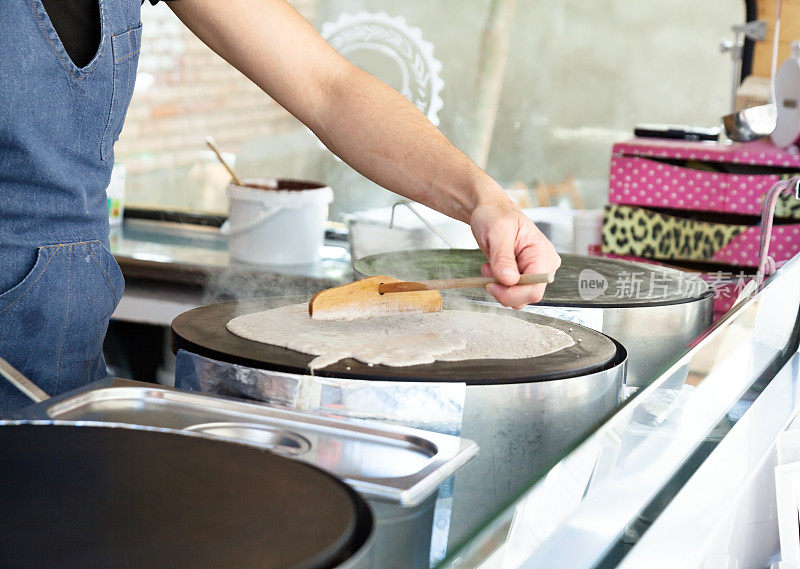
<point x="203" y="331"/>
<point x="123" y="497"/>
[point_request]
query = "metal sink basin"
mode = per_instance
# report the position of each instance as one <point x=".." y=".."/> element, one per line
<point x="392" y="464"/>
<point x="277" y="440"/>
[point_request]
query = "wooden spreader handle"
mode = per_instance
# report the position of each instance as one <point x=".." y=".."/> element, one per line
<point x="472" y="282"/>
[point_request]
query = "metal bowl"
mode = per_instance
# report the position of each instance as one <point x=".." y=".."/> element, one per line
<point x="751" y="124"/>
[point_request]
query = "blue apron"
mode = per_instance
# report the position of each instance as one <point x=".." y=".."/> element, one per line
<point x="59" y="283"/>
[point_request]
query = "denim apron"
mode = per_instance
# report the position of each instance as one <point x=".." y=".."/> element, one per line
<point x="59" y="283"/>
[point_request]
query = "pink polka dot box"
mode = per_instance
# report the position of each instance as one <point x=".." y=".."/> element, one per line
<point x="698" y="176"/>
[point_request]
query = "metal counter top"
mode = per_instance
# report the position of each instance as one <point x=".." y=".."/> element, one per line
<point x="190" y="254"/>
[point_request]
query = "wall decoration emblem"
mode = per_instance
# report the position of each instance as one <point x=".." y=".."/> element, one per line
<point x="394" y="52"/>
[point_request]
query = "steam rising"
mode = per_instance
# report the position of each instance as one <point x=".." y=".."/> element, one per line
<point x="242" y="282"/>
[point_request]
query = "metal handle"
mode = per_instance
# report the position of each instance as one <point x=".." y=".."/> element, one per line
<point x="278" y="440"/>
<point x="427" y="223"/>
<point x="263" y="215"/>
<point x="25" y="385"/>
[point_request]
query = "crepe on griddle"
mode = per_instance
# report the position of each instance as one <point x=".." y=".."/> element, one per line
<point x="401" y="339"/>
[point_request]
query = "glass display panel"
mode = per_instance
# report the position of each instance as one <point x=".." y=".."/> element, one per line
<point x="605" y="492"/>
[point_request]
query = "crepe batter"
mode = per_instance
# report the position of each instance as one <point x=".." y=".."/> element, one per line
<point x="402" y="339"/>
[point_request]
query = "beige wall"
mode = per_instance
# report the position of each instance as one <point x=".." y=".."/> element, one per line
<point x="580" y="74"/>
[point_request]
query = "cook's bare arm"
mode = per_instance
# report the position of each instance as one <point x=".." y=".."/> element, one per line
<point x="372" y="127"/>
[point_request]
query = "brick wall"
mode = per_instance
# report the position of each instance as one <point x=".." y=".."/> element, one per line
<point x="185" y="92"/>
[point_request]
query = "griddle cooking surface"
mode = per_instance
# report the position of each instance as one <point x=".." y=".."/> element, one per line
<point x="103" y="497"/>
<point x="202" y="331"/>
<point x="629" y="283"/>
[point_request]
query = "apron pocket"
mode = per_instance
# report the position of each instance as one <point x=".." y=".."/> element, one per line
<point x="53" y="322"/>
<point x="57" y="274"/>
<point x="44" y="255"/>
<point x="125" y="50"/>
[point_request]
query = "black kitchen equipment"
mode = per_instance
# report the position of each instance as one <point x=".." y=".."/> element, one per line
<point x="398" y="471"/>
<point x="522" y="413"/>
<point x="113" y="496"/>
<point x="654" y="311"/>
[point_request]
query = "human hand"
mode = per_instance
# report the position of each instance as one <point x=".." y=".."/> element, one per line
<point x="513" y="244"/>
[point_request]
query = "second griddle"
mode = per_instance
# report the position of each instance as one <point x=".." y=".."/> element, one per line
<point x="628" y="283"/>
<point x="203" y="331"/>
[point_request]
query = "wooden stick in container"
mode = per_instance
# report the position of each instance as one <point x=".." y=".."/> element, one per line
<point x="212" y="145"/>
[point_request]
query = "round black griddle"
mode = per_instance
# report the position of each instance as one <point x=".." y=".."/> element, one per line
<point x="202" y="331"/>
<point x="113" y="497"/>
<point x="578" y="282"/>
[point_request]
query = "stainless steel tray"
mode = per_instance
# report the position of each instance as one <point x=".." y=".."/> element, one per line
<point x="384" y="462"/>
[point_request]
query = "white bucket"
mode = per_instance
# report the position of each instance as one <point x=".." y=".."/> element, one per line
<point x="280" y="226"/>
